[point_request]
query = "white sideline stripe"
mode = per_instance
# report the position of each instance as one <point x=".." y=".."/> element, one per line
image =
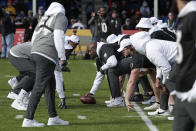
<point x="145" y="118"/>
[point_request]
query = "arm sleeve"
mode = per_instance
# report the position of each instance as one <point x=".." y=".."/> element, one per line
<point x="97" y="82"/>
<point x="59" y="43"/>
<point x="59" y="83"/>
<point x="159" y="73"/>
<point x="111" y="62"/>
<point x="161" y="63"/>
<point x="59" y="36"/>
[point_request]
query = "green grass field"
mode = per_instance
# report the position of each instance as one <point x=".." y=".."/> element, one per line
<point x="78" y="81"/>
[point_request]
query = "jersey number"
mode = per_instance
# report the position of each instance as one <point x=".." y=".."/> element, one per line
<point x="104" y="27"/>
<point x="179" y="57"/>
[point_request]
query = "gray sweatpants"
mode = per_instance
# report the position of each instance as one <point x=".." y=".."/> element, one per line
<point x="184" y="116"/>
<point x="26" y="68"/>
<point x="122" y="68"/>
<point x="44" y="82"/>
<point x="170" y="85"/>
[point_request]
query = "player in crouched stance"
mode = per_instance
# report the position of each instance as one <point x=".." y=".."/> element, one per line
<point x="106" y="61"/>
<point x="162" y="55"/>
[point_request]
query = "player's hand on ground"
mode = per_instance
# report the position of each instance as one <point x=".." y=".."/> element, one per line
<point x="62" y="104"/>
<point x="128" y="105"/>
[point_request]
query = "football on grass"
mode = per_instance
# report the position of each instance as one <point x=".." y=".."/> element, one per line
<point x="88" y="100"/>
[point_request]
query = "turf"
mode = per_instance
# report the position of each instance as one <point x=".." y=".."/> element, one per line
<point x="78" y="81"/>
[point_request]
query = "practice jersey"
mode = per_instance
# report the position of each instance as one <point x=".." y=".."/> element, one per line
<point x="186" y="37"/>
<point x="141" y="61"/>
<point x="105" y="52"/>
<point x="103" y="27"/>
<point x="43" y="37"/>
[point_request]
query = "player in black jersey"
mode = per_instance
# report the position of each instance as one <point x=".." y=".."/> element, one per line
<point x="111" y="49"/>
<point x="103" y="27"/>
<point x="185" y="115"/>
<point x="106" y="61"/>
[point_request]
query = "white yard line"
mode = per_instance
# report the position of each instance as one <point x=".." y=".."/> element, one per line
<point x="145" y="118"/>
<point x="8" y="76"/>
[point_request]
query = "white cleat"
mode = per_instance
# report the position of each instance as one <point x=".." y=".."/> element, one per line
<point x="116" y="102"/>
<point x="56" y="121"/>
<point x="13" y="82"/>
<point x="12" y="95"/>
<point x="150" y="101"/>
<point x="31" y="123"/>
<point x="19" y="105"/>
<point x="159" y="112"/>
<point x="154" y="106"/>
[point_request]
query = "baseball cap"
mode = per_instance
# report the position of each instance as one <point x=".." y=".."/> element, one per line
<point x="153" y="20"/>
<point x="164" y="25"/>
<point x="124" y="43"/>
<point x="144" y="23"/>
<point x="111" y="39"/>
<point x="161" y="24"/>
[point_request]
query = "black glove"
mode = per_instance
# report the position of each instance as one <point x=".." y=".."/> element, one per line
<point x="89" y="94"/>
<point x="62" y="104"/>
<point x="102" y="71"/>
<point x="65" y="69"/>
